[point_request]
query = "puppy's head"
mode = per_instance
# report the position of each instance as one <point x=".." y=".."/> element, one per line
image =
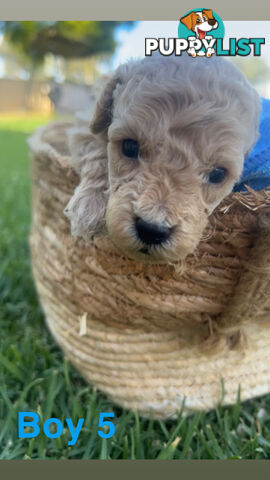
<point x="200" y="22"/>
<point x="174" y="134"/>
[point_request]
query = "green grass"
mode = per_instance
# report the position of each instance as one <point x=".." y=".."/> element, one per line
<point x="34" y="376"/>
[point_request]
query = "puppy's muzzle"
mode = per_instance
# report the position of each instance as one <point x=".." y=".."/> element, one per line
<point x="151" y="233"/>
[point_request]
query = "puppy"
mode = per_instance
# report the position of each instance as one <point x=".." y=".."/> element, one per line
<point x="166" y="144"/>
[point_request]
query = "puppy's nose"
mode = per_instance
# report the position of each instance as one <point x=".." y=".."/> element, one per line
<point x="211" y="21"/>
<point x="151" y="233"/>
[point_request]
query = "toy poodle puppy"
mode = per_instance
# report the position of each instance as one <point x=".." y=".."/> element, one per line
<point x="167" y="142"/>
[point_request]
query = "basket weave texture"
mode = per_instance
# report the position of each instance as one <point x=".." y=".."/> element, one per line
<point x="134" y="330"/>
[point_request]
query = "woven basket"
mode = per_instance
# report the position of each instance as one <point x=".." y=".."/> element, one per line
<point x="135" y="330"/>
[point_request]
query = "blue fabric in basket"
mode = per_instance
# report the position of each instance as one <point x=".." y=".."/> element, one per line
<point x="256" y="173"/>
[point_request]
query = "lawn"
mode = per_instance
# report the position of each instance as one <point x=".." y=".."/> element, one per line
<point x="34" y="375"/>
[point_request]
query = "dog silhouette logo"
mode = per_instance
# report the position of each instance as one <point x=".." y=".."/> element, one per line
<point x="201" y="27"/>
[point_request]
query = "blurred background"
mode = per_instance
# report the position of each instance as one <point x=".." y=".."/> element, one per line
<point x="50" y="67"/>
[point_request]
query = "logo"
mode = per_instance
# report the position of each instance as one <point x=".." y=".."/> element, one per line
<point x="201" y="33"/>
<point x="201" y="28"/>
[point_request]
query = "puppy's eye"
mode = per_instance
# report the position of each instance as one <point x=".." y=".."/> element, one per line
<point x="217" y="175"/>
<point x="198" y="20"/>
<point x="130" y="148"/>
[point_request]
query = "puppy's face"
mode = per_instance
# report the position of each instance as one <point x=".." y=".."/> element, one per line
<point x="175" y="143"/>
<point x="200" y="22"/>
<point x="166" y="175"/>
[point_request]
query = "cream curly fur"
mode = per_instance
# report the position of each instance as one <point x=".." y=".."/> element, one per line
<point x="188" y="115"/>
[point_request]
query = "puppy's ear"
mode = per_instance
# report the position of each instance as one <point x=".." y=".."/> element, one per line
<point x="188" y="20"/>
<point x="86" y="208"/>
<point x="102" y="116"/>
<point x="208" y="13"/>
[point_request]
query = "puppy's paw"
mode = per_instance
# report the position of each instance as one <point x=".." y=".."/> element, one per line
<point x="192" y="52"/>
<point x="210" y="52"/>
